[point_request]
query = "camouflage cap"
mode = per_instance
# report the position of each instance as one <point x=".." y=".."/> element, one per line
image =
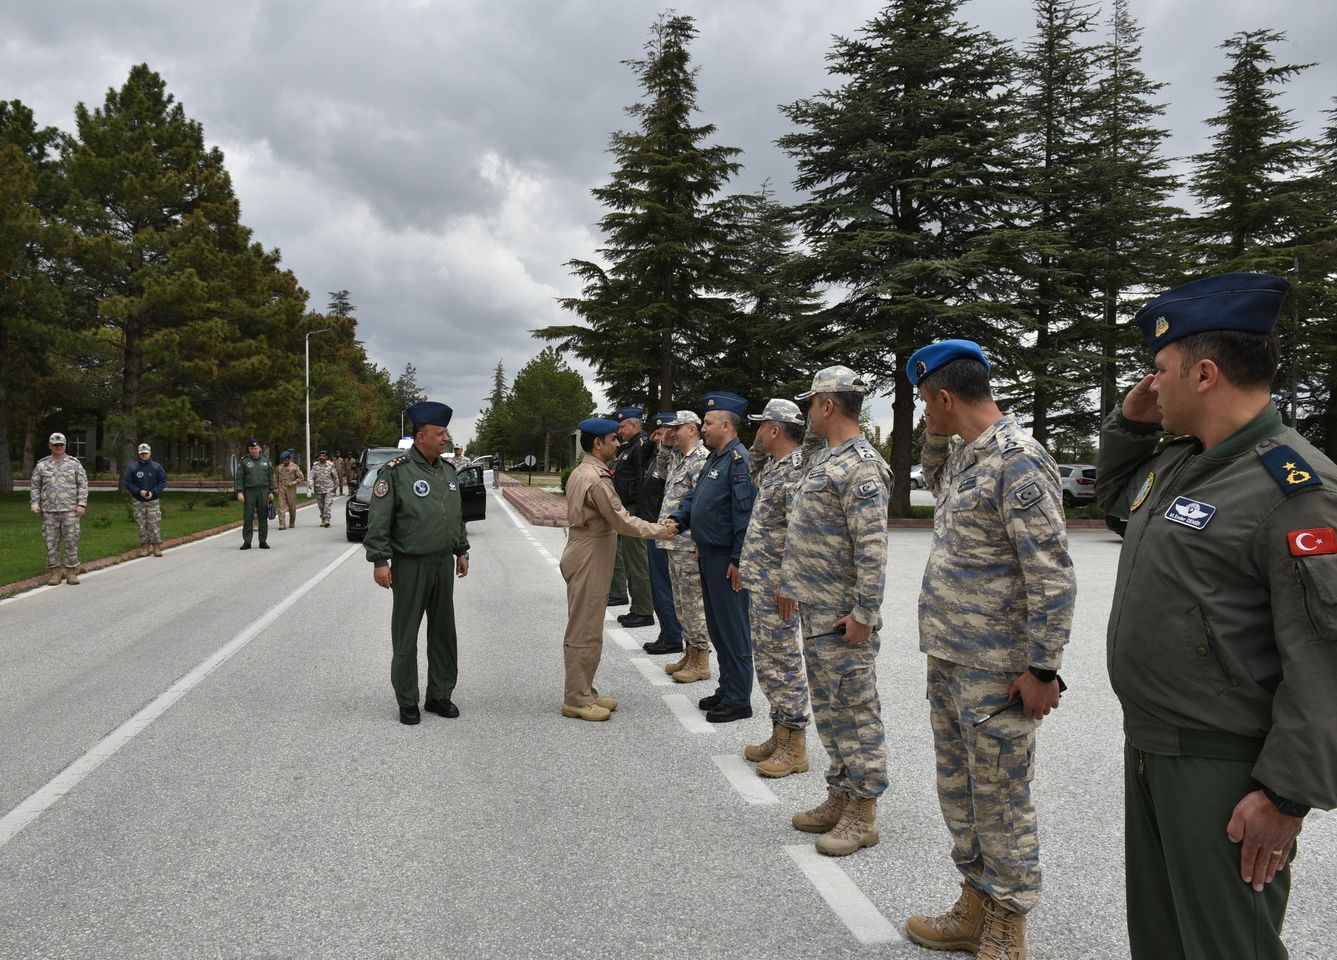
<point x="55" y="438"/>
<point x="686" y="416"/>
<point x="835" y="379"/>
<point x="780" y="411"/>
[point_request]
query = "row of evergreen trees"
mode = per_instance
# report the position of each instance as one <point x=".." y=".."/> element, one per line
<point x="133" y="297"/>
<point x="953" y="184"/>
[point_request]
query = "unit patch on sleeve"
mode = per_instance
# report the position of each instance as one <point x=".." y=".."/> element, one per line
<point x="1311" y="543"/>
<point x="382" y="487"/>
<point x="1028" y="496"/>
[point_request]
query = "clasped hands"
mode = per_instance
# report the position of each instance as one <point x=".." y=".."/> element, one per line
<point x="671" y="530"/>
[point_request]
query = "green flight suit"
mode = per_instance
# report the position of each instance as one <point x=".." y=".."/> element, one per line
<point x="416" y="525"/>
<point x="1221" y="651"/>
<point x="255" y="481"/>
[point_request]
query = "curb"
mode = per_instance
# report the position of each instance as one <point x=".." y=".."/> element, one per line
<point x="537" y="514"/>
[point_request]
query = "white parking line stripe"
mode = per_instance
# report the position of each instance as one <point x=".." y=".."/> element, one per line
<point x="687" y="714"/>
<point x="742" y="776"/>
<point x="844" y="898"/>
<point x="652" y="671"/>
<point x="623" y="639"/>
<point x="69" y="778"/>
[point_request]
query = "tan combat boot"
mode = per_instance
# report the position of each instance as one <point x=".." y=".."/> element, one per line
<point x="608" y="703"/>
<point x="1004" y="935"/>
<point x="758" y="752"/>
<point x="792" y="757"/>
<point x="681" y="662"/>
<point x="824" y="816"/>
<point x="72" y="575"/>
<point x="697" y="669"/>
<point x="592" y="712"/>
<point x="957" y="929"/>
<point x="857" y="829"/>
<point x="157" y="549"/>
<point x="56" y="576"/>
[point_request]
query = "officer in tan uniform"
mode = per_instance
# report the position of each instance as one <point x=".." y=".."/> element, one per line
<point x="595" y="518"/>
<point x="288" y="476"/>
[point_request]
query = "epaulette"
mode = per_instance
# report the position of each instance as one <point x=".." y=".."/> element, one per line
<point x="865" y="449"/>
<point x="1289" y="469"/>
<point x="394" y="462"/>
<point x="737" y="456"/>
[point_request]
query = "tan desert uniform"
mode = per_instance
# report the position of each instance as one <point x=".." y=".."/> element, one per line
<point x="288" y="475"/>
<point x="595" y="517"/>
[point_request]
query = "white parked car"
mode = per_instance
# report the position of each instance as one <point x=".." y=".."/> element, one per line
<point x="1079" y="483"/>
<point x="917" y="477"/>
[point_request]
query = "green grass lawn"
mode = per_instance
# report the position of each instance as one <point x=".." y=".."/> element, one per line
<point x="106" y="529"/>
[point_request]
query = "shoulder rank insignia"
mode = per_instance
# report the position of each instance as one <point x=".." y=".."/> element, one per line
<point x="737" y="456"/>
<point x="1289" y="469"/>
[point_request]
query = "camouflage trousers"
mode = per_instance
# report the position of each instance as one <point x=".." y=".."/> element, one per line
<point x="984" y="782"/>
<point x="688" y="601"/>
<point x="148" y="515"/>
<point x="323" y="501"/>
<point x="842" y="681"/>
<point x="58" y="528"/>
<point x="777" y="652"/>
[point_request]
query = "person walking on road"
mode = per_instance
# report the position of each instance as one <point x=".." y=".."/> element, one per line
<point x="58" y="493"/>
<point x="684" y="470"/>
<point x="833" y="573"/>
<point x="288" y="475"/>
<point x="1222" y="641"/>
<point x="995" y="609"/>
<point x="595" y="519"/>
<point x="324" y="483"/>
<point x="418" y="545"/>
<point x="341" y="471"/>
<point x="255" y="486"/>
<point x="145" y="480"/>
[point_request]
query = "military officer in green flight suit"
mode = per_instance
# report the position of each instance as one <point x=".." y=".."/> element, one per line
<point x="416" y="539"/>
<point x="255" y="486"/>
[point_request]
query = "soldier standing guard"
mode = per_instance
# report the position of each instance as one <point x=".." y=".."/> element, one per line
<point x="833" y="572"/>
<point x="595" y="518"/>
<point x="59" y="493"/>
<point x="417" y="542"/>
<point x="995" y="610"/>
<point x="255" y="487"/>
<point x="324" y="482"/>
<point x="683" y="470"/>
<point x="716" y="511"/>
<point x="288" y="475"/>
<point x="776" y="641"/>
<point x="145" y="480"/>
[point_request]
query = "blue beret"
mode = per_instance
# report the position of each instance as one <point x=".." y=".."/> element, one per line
<point x="629" y="413"/>
<point x="598" y="426"/>
<point x="665" y="419"/>
<point x="722" y="400"/>
<point x="1247" y="302"/>
<point x="926" y="360"/>
<point x="286" y="455"/>
<point x="429" y="412"/>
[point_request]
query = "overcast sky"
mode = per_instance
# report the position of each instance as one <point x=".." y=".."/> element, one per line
<point x="435" y="157"/>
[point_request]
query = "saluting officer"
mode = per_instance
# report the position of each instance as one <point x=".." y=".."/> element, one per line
<point x="417" y="541"/>
<point x="1221" y="640"/>
<point x="716" y="513"/>
<point x="255" y="486"/>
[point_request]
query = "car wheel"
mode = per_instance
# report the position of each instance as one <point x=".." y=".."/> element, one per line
<point x="1067" y="499"/>
<point x="353" y="536"/>
<point x="1116" y="525"/>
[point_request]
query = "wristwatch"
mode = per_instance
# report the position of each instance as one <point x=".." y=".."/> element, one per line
<point x="1044" y="676"/>
<point x="1289" y="807"/>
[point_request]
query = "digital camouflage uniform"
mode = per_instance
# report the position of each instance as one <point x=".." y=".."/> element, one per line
<point x="688" y="602"/>
<point x="776" y="643"/>
<point x="997" y="597"/>
<point x="288" y="475"/>
<point x="835" y="565"/>
<point x="58" y="488"/>
<point x="324" y="483"/>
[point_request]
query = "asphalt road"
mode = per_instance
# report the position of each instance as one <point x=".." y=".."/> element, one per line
<point x="263" y="800"/>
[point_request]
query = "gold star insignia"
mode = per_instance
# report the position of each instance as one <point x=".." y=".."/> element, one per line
<point x="1288" y="466"/>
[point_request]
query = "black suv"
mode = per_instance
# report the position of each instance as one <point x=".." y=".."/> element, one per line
<point x="472" y="494"/>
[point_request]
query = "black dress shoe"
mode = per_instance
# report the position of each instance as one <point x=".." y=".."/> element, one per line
<point x="662" y="646"/>
<point x="445" y="708"/>
<point x="708" y="703"/>
<point x="636" y="620"/>
<point x="263" y="545"/>
<point x="618" y="601"/>
<point x="724" y="714"/>
<point x="409" y="715"/>
<point x="245" y="546"/>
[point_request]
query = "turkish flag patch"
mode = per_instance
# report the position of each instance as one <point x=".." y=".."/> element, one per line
<point x="1308" y="543"/>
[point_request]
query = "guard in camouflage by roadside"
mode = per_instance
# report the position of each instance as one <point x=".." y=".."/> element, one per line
<point x="145" y="480"/>
<point x="683" y="470"/>
<point x="324" y="483"/>
<point x="777" y="645"/>
<point x="288" y="476"/>
<point x="995" y="609"/>
<point x="59" y="493"/>
<point x="833" y="573"/>
<point x="255" y="486"/>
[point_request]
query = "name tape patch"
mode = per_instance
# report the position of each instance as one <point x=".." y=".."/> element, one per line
<point x="1191" y="513"/>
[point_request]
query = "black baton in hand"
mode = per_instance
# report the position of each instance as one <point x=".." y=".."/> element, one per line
<point x="1016" y="702"/>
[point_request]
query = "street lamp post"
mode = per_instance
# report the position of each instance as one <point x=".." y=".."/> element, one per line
<point x="309" y="335"/>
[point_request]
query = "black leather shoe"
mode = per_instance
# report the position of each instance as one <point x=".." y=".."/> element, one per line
<point x="708" y="703"/>
<point x="662" y="646"/>
<point x="636" y="620"/>
<point x="263" y="545"/>
<point x="245" y="546"/>
<point x="618" y="601"/>
<point x="725" y="714"/>
<point x="445" y="708"/>
<point x="409" y="715"/>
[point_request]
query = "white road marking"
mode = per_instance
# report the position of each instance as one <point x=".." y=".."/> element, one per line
<point x="515" y="517"/>
<point x="652" y="671"/>
<point x="687" y="714"/>
<point x="844" y="898"/>
<point x="623" y="639"/>
<point x="743" y="778"/>
<point x="69" y="778"/>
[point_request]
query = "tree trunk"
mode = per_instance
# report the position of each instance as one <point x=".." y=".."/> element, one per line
<point x="134" y="365"/>
<point x="1109" y="382"/>
<point x="902" y="433"/>
<point x="29" y="441"/>
<point x="547" y="449"/>
<point x="6" y="467"/>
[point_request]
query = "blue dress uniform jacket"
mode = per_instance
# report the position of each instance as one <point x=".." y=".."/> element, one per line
<point x="148" y="476"/>
<point x="718" y="509"/>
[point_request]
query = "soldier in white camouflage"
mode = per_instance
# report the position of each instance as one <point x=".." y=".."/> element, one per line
<point x="995" y="610"/>
<point x="777" y="646"/>
<point x="833" y="573"/>
<point x="681" y="472"/>
<point x="324" y="484"/>
<point x="59" y="494"/>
